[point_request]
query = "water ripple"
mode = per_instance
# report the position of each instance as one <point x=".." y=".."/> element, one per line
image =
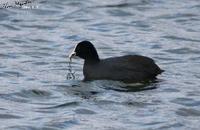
<point x="68" y="104"/>
<point x="9" y="116"/>
<point x="186" y="102"/>
<point x="181" y="38"/>
<point x="188" y="112"/>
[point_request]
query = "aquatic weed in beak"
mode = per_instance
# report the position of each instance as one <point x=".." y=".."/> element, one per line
<point x="70" y="74"/>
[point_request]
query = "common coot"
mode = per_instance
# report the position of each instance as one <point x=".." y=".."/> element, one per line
<point x="128" y="68"/>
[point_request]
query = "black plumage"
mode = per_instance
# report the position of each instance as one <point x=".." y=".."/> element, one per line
<point x="129" y="68"/>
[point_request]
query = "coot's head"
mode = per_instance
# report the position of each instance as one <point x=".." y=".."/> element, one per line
<point x="86" y="51"/>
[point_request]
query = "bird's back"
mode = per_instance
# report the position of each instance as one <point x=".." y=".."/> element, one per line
<point x="130" y="68"/>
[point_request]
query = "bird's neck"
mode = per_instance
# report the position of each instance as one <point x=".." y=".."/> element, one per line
<point x="91" y="61"/>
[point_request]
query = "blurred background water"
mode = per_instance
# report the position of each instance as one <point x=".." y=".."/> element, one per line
<point x="35" y="40"/>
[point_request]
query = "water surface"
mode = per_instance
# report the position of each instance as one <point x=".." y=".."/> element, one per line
<point x="35" y="40"/>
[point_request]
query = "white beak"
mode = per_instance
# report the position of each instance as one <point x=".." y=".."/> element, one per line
<point x="72" y="55"/>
